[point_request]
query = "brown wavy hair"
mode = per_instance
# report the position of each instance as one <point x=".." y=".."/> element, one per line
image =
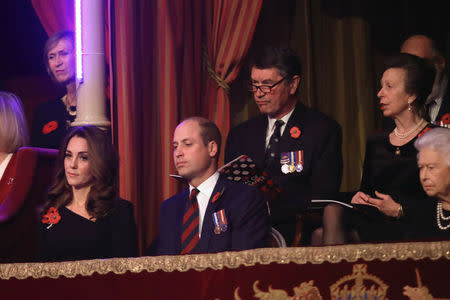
<point x="103" y="160"/>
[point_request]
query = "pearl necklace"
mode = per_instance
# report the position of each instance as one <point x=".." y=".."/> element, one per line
<point x="440" y="215"/>
<point x="406" y="134"/>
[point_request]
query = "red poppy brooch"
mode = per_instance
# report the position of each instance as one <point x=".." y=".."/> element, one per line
<point x="49" y="127"/>
<point x="446" y="118"/>
<point x="295" y="132"/>
<point x="217" y="195"/>
<point x="51" y="217"/>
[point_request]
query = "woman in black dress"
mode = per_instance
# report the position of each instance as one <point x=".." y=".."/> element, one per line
<point x="52" y="119"/>
<point x="390" y="173"/>
<point x="432" y="219"/>
<point x="84" y="217"/>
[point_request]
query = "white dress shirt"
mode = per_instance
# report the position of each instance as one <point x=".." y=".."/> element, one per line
<point x="205" y="190"/>
<point x="271" y="126"/>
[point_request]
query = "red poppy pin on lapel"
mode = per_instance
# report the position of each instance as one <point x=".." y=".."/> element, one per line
<point x="295" y="132"/>
<point x="49" y="127"/>
<point x="51" y="217"/>
<point x="217" y="195"/>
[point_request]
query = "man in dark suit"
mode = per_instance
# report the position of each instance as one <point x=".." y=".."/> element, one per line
<point x="438" y="101"/>
<point x="302" y="153"/>
<point x="213" y="214"/>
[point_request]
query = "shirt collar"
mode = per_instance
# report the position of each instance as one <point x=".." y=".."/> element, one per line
<point x="285" y="119"/>
<point x="207" y="186"/>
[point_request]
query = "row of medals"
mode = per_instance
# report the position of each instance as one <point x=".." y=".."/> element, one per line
<point x="218" y="229"/>
<point x="286" y="168"/>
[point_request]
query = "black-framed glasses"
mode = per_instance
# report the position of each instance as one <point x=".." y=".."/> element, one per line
<point x="266" y="89"/>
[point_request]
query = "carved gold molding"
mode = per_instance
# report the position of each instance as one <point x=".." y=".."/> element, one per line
<point x="232" y="260"/>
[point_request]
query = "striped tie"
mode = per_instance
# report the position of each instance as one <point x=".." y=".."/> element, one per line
<point x="272" y="156"/>
<point x="190" y="238"/>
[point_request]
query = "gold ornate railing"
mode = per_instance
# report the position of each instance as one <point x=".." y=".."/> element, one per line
<point x="232" y="260"/>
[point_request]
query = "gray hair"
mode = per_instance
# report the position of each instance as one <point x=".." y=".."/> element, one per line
<point x="13" y="125"/>
<point x="437" y="139"/>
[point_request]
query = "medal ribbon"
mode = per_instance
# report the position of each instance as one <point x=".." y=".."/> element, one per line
<point x="216" y="220"/>
<point x="223" y="218"/>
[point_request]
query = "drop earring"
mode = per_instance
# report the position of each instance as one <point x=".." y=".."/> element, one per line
<point x="409" y="105"/>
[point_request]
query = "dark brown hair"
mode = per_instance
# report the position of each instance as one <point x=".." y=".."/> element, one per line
<point x="104" y="163"/>
<point x="208" y="131"/>
<point x="282" y="58"/>
<point x="419" y="78"/>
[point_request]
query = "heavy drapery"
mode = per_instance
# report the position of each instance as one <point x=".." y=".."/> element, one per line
<point x="55" y="15"/>
<point x="337" y="74"/>
<point x="159" y="81"/>
<point x="229" y="30"/>
<point x="160" y="49"/>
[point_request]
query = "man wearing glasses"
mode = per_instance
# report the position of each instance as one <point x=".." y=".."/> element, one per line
<point x="300" y="148"/>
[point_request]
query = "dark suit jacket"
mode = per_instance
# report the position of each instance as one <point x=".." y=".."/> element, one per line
<point x="246" y="214"/>
<point x="320" y="140"/>
<point x="445" y="106"/>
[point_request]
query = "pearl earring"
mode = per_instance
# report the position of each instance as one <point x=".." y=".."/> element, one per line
<point x="409" y="105"/>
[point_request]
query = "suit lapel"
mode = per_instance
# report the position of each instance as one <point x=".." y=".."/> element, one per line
<point x="289" y="143"/>
<point x="260" y="139"/>
<point x="7" y="180"/>
<point x="445" y="104"/>
<point x="182" y="200"/>
<point x="208" y="223"/>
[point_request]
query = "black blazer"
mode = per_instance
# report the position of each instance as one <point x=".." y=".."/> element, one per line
<point x="320" y="140"/>
<point x="246" y="214"/>
<point x="445" y="106"/>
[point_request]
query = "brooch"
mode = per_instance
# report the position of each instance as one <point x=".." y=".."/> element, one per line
<point x="51" y="217"/>
<point x="217" y="195"/>
<point x="49" y="127"/>
<point x="295" y="132"/>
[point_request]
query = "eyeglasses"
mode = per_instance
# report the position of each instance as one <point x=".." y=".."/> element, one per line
<point x="266" y="89"/>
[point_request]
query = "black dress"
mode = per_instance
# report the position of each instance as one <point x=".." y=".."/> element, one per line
<point x="389" y="170"/>
<point x="424" y="222"/>
<point x="75" y="237"/>
<point x="51" y="122"/>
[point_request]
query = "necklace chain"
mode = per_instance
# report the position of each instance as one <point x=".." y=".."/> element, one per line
<point x="406" y="134"/>
<point x="440" y="215"/>
<point x="69" y="107"/>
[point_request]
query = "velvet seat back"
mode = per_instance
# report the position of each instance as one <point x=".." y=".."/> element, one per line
<point x="19" y="211"/>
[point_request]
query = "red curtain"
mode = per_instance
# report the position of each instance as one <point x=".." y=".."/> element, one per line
<point x="230" y="25"/>
<point x="158" y="82"/>
<point x="159" y="79"/>
<point x="55" y="15"/>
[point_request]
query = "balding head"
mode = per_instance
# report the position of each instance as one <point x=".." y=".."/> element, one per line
<point x="419" y="45"/>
